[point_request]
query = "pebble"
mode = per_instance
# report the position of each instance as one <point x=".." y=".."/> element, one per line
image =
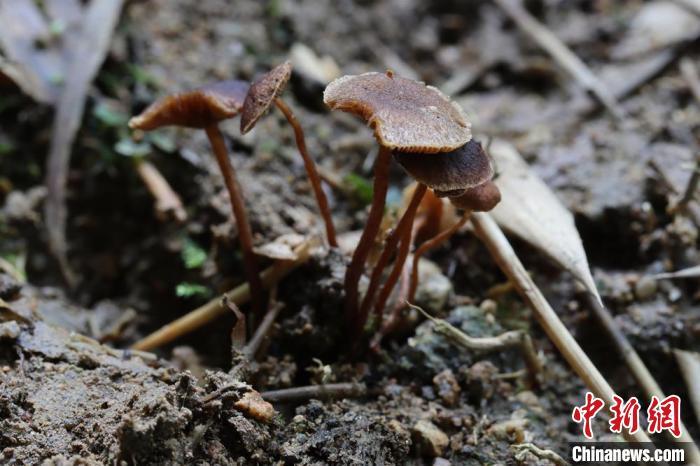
<point x="645" y="288"/>
<point x="432" y="440"/>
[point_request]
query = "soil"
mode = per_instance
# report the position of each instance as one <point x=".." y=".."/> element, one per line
<point x="71" y="392"/>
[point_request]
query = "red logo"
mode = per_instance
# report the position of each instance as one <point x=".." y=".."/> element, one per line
<point x="661" y="415"/>
<point x="587" y="412"/>
<point x="665" y="415"/>
<point x="624" y="415"/>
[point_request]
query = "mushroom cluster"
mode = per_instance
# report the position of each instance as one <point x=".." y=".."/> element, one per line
<point x="204" y="108"/>
<point x="430" y="137"/>
<point x="416" y="125"/>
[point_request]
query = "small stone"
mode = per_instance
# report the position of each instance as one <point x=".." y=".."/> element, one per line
<point x="9" y="330"/>
<point x="447" y="387"/>
<point x="431" y="440"/>
<point x="252" y="404"/>
<point x="645" y="288"/>
<point x="528" y="398"/>
<point x="441" y="462"/>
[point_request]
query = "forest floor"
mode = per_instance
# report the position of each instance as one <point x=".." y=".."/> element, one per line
<point x="71" y="391"/>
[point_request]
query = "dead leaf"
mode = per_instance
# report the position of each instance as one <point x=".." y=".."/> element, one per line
<point x="320" y="69"/>
<point x="531" y="211"/>
<point x="84" y="60"/>
<point x="282" y="248"/>
<point x="657" y="25"/>
<point x="689" y="363"/>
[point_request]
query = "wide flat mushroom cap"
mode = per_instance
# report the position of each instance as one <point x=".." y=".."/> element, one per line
<point x="263" y="93"/>
<point x="460" y="169"/>
<point x="480" y="198"/>
<point x="406" y="115"/>
<point x="197" y="108"/>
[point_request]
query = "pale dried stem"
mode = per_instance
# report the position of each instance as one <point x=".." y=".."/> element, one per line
<point x="167" y="200"/>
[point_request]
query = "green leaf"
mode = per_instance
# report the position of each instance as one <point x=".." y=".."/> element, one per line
<point x="189" y="290"/>
<point x="193" y="255"/>
<point x="6" y="147"/>
<point x="109" y="115"/>
<point x="361" y="186"/>
<point x="162" y="141"/>
<point x="129" y="148"/>
<point x="140" y="75"/>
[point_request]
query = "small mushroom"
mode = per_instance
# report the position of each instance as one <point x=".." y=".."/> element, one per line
<point x="204" y="108"/>
<point x="407" y="116"/>
<point x="262" y="94"/>
<point x="481" y="198"/>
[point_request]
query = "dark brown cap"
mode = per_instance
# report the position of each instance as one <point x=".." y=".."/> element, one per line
<point x="460" y="169"/>
<point x="480" y="198"/>
<point x="194" y="109"/>
<point x="406" y="115"/>
<point x="263" y="93"/>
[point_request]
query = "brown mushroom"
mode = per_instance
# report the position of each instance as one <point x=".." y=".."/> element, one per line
<point x="204" y="108"/>
<point x="481" y="198"/>
<point x="262" y="94"/>
<point x="406" y="116"/>
<point x="449" y="172"/>
<point x="452" y="172"/>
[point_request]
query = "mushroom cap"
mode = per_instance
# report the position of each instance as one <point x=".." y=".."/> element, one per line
<point x="480" y="198"/>
<point x="262" y="94"/>
<point x="406" y="115"/>
<point x="460" y="169"/>
<point x="197" y="108"/>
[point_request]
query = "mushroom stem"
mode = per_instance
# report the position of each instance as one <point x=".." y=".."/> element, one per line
<point x="374" y="220"/>
<point x="404" y="249"/>
<point x="245" y="235"/>
<point x="433" y="242"/>
<point x="311" y="171"/>
<point x="405" y="223"/>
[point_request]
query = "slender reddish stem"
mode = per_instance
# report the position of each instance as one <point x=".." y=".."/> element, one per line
<point x="405" y="222"/>
<point x="311" y="171"/>
<point x="433" y="242"/>
<point x="393" y="278"/>
<point x="245" y="235"/>
<point x="374" y="220"/>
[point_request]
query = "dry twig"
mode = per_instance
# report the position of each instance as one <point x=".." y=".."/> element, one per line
<point x="561" y="54"/>
<point x="327" y="391"/>
<point x="511" y="339"/>
<point x="167" y="201"/>
<point x="504" y="255"/>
